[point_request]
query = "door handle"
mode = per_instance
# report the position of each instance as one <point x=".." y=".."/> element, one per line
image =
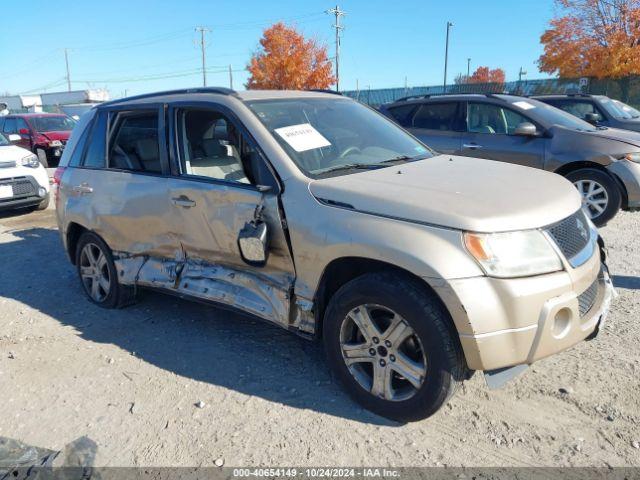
<point x="83" y="188"/>
<point x="183" y="202"/>
<point x="471" y="146"/>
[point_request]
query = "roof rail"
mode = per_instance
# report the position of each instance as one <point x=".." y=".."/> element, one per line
<point x="218" y="90"/>
<point x="324" y="90"/>
<point x="429" y="95"/>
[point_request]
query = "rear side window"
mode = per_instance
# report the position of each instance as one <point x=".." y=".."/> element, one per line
<point x="9" y="126"/>
<point x="134" y="142"/>
<point x="436" y="116"/>
<point x="95" y="156"/>
<point x="403" y="114"/>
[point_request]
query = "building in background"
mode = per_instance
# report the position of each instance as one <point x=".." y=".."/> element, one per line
<point x="71" y="103"/>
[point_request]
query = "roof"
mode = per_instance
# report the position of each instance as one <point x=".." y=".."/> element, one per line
<point x="174" y="95"/>
<point x="32" y="115"/>
<point x="456" y="96"/>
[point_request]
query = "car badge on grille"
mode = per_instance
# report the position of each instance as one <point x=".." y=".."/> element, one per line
<point x="581" y="229"/>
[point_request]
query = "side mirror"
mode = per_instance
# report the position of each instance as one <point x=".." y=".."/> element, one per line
<point x="24" y="131"/>
<point x="526" y="129"/>
<point x="14" y="137"/>
<point x="592" y="118"/>
<point x="252" y="242"/>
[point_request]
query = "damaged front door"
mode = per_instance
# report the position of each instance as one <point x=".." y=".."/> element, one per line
<point x="218" y="188"/>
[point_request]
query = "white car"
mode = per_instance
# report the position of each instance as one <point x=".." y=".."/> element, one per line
<point x="24" y="181"/>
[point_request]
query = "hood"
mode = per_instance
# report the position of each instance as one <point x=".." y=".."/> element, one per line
<point x="626" y="136"/>
<point x="12" y="153"/>
<point x="629" y="125"/>
<point x="58" y="135"/>
<point x="456" y="192"/>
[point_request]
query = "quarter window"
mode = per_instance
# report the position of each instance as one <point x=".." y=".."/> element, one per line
<point x="95" y="156"/>
<point x="436" y="116"/>
<point x="9" y="126"/>
<point x="493" y="119"/>
<point x="134" y="144"/>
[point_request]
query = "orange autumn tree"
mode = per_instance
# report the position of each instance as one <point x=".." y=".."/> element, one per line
<point x="286" y="60"/>
<point x="593" y="38"/>
<point x="485" y="75"/>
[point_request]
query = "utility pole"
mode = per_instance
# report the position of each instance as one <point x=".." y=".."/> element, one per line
<point x="66" y="61"/>
<point x="446" y="57"/>
<point x="230" y="78"/>
<point x="521" y="73"/>
<point x="468" y="68"/>
<point x="203" y="48"/>
<point x="338" y="13"/>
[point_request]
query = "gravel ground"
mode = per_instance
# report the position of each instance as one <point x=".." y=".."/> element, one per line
<point x="172" y="383"/>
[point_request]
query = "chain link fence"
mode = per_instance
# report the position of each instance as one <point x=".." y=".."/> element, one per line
<point x="625" y="89"/>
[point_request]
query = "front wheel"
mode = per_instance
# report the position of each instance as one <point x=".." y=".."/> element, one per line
<point x="98" y="275"/>
<point x="601" y="195"/>
<point x="392" y="345"/>
<point x="42" y="156"/>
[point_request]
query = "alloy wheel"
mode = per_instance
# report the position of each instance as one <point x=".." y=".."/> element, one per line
<point x="382" y="352"/>
<point x="94" y="272"/>
<point x="594" y="197"/>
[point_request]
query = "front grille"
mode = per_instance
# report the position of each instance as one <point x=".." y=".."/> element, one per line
<point x="21" y="186"/>
<point x="571" y="234"/>
<point x="587" y="298"/>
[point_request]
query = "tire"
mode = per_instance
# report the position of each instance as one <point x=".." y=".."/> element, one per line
<point x="113" y="296"/>
<point x="607" y="199"/>
<point x="44" y="204"/>
<point x="42" y="156"/>
<point x="434" y="339"/>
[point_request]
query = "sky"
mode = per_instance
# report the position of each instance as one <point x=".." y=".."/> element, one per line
<point x="137" y="46"/>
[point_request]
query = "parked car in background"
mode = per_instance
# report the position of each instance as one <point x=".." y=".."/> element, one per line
<point x="23" y="180"/>
<point x="414" y="268"/>
<point x="603" y="164"/>
<point x="45" y="134"/>
<point x="596" y="109"/>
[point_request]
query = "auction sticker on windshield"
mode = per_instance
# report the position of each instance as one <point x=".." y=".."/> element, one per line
<point x="302" y="137"/>
<point x="6" y="191"/>
<point x="524" y="105"/>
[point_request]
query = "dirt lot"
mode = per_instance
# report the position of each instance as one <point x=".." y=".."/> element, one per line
<point x="130" y="381"/>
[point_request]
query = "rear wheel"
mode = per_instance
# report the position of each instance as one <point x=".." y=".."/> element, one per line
<point x="392" y="346"/>
<point x="98" y="274"/>
<point x="601" y="195"/>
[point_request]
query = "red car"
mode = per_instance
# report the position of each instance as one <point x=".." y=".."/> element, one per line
<point x="45" y="134"/>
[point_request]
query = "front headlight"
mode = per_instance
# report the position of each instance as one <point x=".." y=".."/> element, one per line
<point x="55" y="143"/>
<point x="513" y="254"/>
<point x="632" y="157"/>
<point x="30" y="161"/>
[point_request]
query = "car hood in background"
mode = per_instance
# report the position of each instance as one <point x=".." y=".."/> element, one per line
<point x="629" y="125"/>
<point x="58" y="135"/>
<point x="456" y="192"/>
<point x="626" y="136"/>
<point x="12" y="153"/>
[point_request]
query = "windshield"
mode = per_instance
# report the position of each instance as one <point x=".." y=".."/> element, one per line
<point x="554" y="116"/>
<point x="52" y="124"/>
<point x="619" y="110"/>
<point x="3" y="141"/>
<point x="326" y="136"/>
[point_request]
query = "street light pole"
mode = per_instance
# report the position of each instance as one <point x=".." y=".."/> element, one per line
<point x="446" y="57"/>
<point x="468" y="68"/>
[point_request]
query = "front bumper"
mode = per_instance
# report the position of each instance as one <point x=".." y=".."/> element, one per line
<point x="629" y="174"/>
<point x="27" y="192"/>
<point x="507" y="322"/>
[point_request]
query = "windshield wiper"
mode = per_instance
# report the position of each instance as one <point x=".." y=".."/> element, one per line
<point x="405" y="158"/>
<point x="350" y="166"/>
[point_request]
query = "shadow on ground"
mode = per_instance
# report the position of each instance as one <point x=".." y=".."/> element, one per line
<point x="625" y="281"/>
<point x="196" y="341"/>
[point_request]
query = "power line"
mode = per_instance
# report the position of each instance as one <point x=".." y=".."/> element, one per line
<point x="338" y="13"/>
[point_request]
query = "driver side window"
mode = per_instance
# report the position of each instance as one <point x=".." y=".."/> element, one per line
<point x="493" y="119"/>
<point x="211" y="146"/>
